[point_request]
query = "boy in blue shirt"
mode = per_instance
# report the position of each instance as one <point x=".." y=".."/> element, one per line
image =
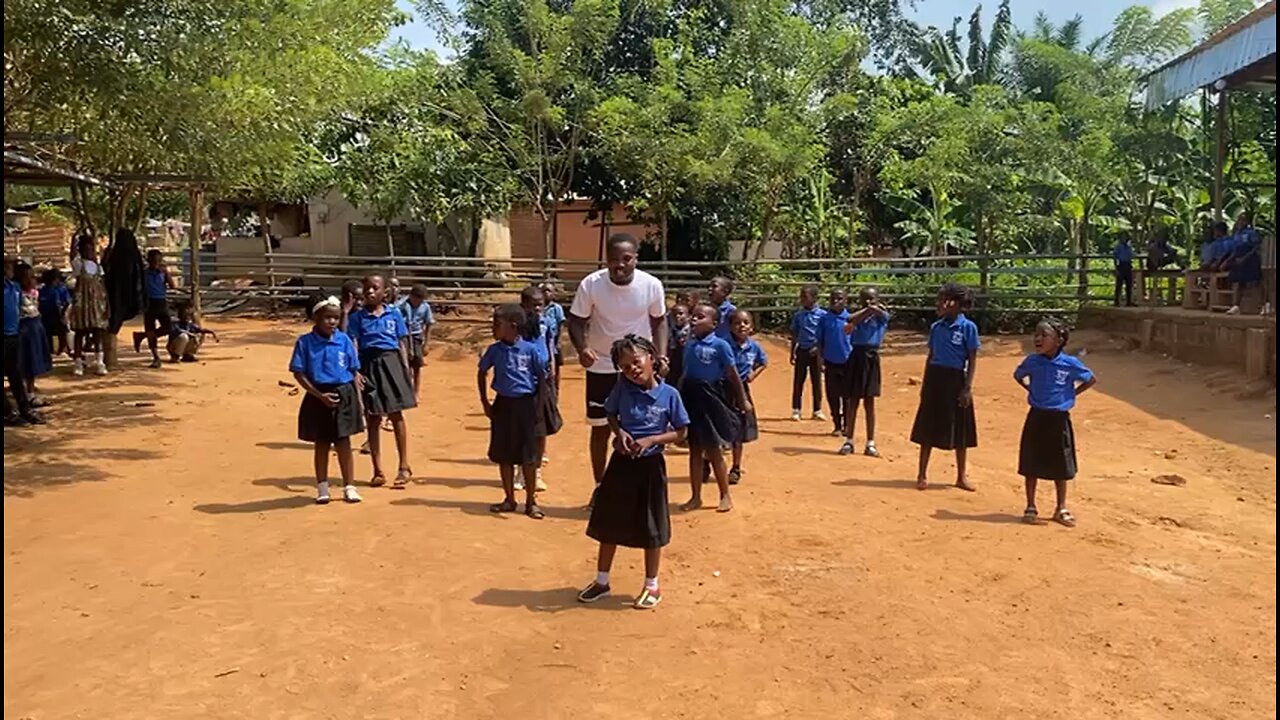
<point x="1052" y="380"/>
<point x="55" y="300"/>
<point x="804" y="352"/>
<point x="554" y="317"/>
<point x="156" y="320"/>
<point x="1123" y="255"/>
<point x="23" y="414"/>
<point x="418" y="321"/>
<point x="750" y="360"/>
<point x="945" y="418"/>
<point x="718" y="292"/>
<point x="834" y="349"/>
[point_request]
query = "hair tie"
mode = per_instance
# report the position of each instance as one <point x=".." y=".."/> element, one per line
<point x="329" y="301"/>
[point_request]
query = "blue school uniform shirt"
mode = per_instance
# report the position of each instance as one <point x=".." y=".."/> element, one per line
<point x="416" y="319"/>
<point x="325" y="361"/>
<point x="1053" y="380"/>
<point x="707" y="358"/>
<point x="377" y="332"/>
<point x="553" y="316"/>
<point x="12" y="299"/>
<point x="870" y="332"/>
<point x="646" y="412"/>
<point x="804" y="326"/>
<point x="747" y="357"/>
<point x="1242" y="242"/>
<point x="950" y="341"/>
<point x="190" y="328"/>
<point x="157" y="284"/>
<point x="54" y="299"/>
<point x="832" y="337"/>
<point x="516" y="367"/>
<point x="1123" y="253"/>
<point x="726" y="309"/>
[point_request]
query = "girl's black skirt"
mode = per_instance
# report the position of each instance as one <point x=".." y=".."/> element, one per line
<point x="750" y="426"/>
<point x="318" y="423"/>
<point x="417" y="350"/>
<point x="1048" y="448"/>
<point x="941" y="422"/>
<point x="387" y="387"/>
<point x="630" y="507"/>
<point x="864" y="372"/>
<point x="513" y="435"/>
<point x="548" y="421"/>
<point x="33" y="343"/>
<point x="713" y="422"/>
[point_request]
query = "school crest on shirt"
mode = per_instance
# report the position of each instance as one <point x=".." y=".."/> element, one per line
<point x="342" y="359"/>
<point x="957" y="337"/>
<point x="1061" y="376"/>
<point x="522" y="362"/>
<point x="705" y="354"/>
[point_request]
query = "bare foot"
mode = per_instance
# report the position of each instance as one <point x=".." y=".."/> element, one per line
<point x="966" y="486"/>
<point x="726" y="504"/>
<point x="693" y="504"/>
<point x="922" y="484"/>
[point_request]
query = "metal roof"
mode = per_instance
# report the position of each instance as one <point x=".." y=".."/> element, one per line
<point x="1243" y="55"/>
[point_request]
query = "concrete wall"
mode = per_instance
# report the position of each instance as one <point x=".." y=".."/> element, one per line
<point x="1247" y="343"/>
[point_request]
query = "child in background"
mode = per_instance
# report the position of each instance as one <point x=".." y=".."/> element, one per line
<point x="186" y="337"/>
<point x="379" y="333"/>
<point x="536" y="331"/>
<point x="88" y="306"/>
<point x="1123" y="255"/>
<point x="630" y="506"/>
<point x="750" y="360"/>
<point x="834" y="348"/>
<point x="714" y="424"/>
<point x="866" y="327"/>
<point x="718" y="292"/>
<point x="677" y="338"/>
<point x="418" y="319"/>
<point x="804" y="352"/>
<point x="156" y="320"/>
<point x="1048" y="447"/>
<point x="33" y="343"/>
<point x="945" y="419"/>
<point x="326" y="366"/>
<point x="1213" y="252"/>
<point x="554" y="317"/>
<point x="518" y="369"/>
<point x="55" y="301"/>
<point x="23" y="414"/>
<point x="350" y="300"/>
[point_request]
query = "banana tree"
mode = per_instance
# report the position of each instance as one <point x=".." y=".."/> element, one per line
<point x="931" y="223"/>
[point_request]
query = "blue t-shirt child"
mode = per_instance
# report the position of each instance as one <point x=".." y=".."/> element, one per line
<point x="377" y="332"/>
<point x="645" y="412"/>
<point x="951" y="341"/>
<point x="726" y="309"/>
<point x="325" y="361"/>
<point x="1053" y="380"/>
<point x="553" y="316"/>
<point x="516" y="367"/>
<point x="870" y="332"/>
<point x="707" y="359"/>
<point x="804" y="326"/>
<point x="832" y="337"/>
<point x="157" y="284"/>
<point x="12" y="299"/>
<point x="416" y="319"/>
<point x="54" y="300"/>
<point x="747" y="357"/>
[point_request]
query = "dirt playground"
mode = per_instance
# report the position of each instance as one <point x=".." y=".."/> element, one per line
<point x="164" y="559"/>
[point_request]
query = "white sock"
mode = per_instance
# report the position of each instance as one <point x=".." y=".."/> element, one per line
<point x="322" y="488"/>
<point x="602" y="578"/>
<point x="98" y="357"/>
<point x="651" y="584"/>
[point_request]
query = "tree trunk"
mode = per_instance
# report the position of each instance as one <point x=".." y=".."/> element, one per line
<point x="663" y="242"/>
<point x="984" y="263"/>
<point x="264" y="223"/>
<point x="197" y="214"/>
<point x="474" y="242"/>
<point x="142" y="209"/>
<point x="1082" y="277"/>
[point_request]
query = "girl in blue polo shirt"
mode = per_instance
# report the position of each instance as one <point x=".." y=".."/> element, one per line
<point x="804" y="352"/>
<point x="537" y="330"/>
<point x="714" y="423"/>
<point x="945" y="419"/>
<point x="834" y="348"/>
<point x="514" y="443"/>
<point x="326" y="366"/>
<point x="1052" y="380"/>
<point x="630" y="507"/>
<point x="381" y="336"/>
<point x="718" y="292"/>
<point x="866" y="328"/>
<point x="749" y="359"/>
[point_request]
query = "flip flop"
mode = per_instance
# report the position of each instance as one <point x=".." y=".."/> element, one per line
<point x="533" y="511"/>
<point x="402" y="478"/>
<point x="1030" y="516"/>
<point x="505" y="506"/>
<point x="378" y="480"/>
<point x="1065" y="518"/>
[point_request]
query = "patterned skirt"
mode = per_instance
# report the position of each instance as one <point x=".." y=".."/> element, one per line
<point x="89" y="304"/>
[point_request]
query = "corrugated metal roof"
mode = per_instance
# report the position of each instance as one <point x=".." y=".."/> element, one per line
<point x="1248" y="41"/>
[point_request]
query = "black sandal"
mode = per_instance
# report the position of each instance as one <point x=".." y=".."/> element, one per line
<point x="735" y="476"/>
<point x="533" y="511"/>
<point x="505" y="506"/>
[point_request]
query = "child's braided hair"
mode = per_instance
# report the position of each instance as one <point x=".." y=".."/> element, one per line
<point x="958" y="292"/>
<point x="631" y="344"/>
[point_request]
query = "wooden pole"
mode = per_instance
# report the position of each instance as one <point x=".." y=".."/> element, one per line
<point x="193" y="239"/>
<point x="1220" y="156"/>
<point x="265" y="223"/>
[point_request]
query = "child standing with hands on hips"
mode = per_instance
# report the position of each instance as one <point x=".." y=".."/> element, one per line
<point x="714" y="423"/>
<point x="630" y="507"/>
<point x="518" y="369"/>
<point x="866" y="327"/>
<point x="804" y="352"/>
<point x="750" y="360"/>
<point x="326" y="366"/>
<point x="945" y="418"/>
<point x="1052" y="379"/>
<point x="381" y="336"/>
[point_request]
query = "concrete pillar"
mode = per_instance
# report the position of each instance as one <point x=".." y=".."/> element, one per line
<point x="1258" y="346"/>
<point x="1146" y="333"/>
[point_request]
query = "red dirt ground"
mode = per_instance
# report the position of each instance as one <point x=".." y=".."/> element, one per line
<point x="165" y="561"/>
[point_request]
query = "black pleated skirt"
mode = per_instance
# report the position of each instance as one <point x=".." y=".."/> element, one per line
<point x="548" y="421"/>
<point x="318" y="423"/>
<point x="513" y="435"/>
<point x="1048" y="447"/>
<point x="941" y="421"/>
<point x="713" y="422"/>
<point x="387" y="385"/>
<point x="864" y="372"/>
<point x="750" y="426"/>
<point x="630" y="507"/>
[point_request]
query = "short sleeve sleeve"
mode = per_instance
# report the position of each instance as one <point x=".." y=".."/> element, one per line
<point x="583" y="303"/>
<point x="539" y="362"/>
<point x="725" y="356"/>
<point x="351" y="353"/>
<point x="486" y="359"/>
<point x="762" y="357"/>
<point x="1082" y="371"/>
<point x="298" y="363"/>
<point x="657" y="299"/>
<point x="678" y="416"/>
<point x="1023" y="370"/>
<point x="402" y="329"/>
<point x="428" y="317"/>
<point x="971" y="341"/>
<point x="615" y="398"/>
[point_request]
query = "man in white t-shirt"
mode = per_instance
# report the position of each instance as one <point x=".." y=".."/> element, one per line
<point x="609" y="305"/>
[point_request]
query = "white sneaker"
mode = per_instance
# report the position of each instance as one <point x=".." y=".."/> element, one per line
<point x="78" y="369"/>
<point x="538" y="484"/>
<point x="101" y="369"/>
<point x="322" y="494"/>
<point x="350" y="495"/>
<point x="1233" y="310"/>
<point x="818" y="415"/>
<point x="795" y="415"/>
<point x="519" y="484"/>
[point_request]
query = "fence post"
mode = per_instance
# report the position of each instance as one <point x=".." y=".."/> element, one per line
<point x="193" y="239"/>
